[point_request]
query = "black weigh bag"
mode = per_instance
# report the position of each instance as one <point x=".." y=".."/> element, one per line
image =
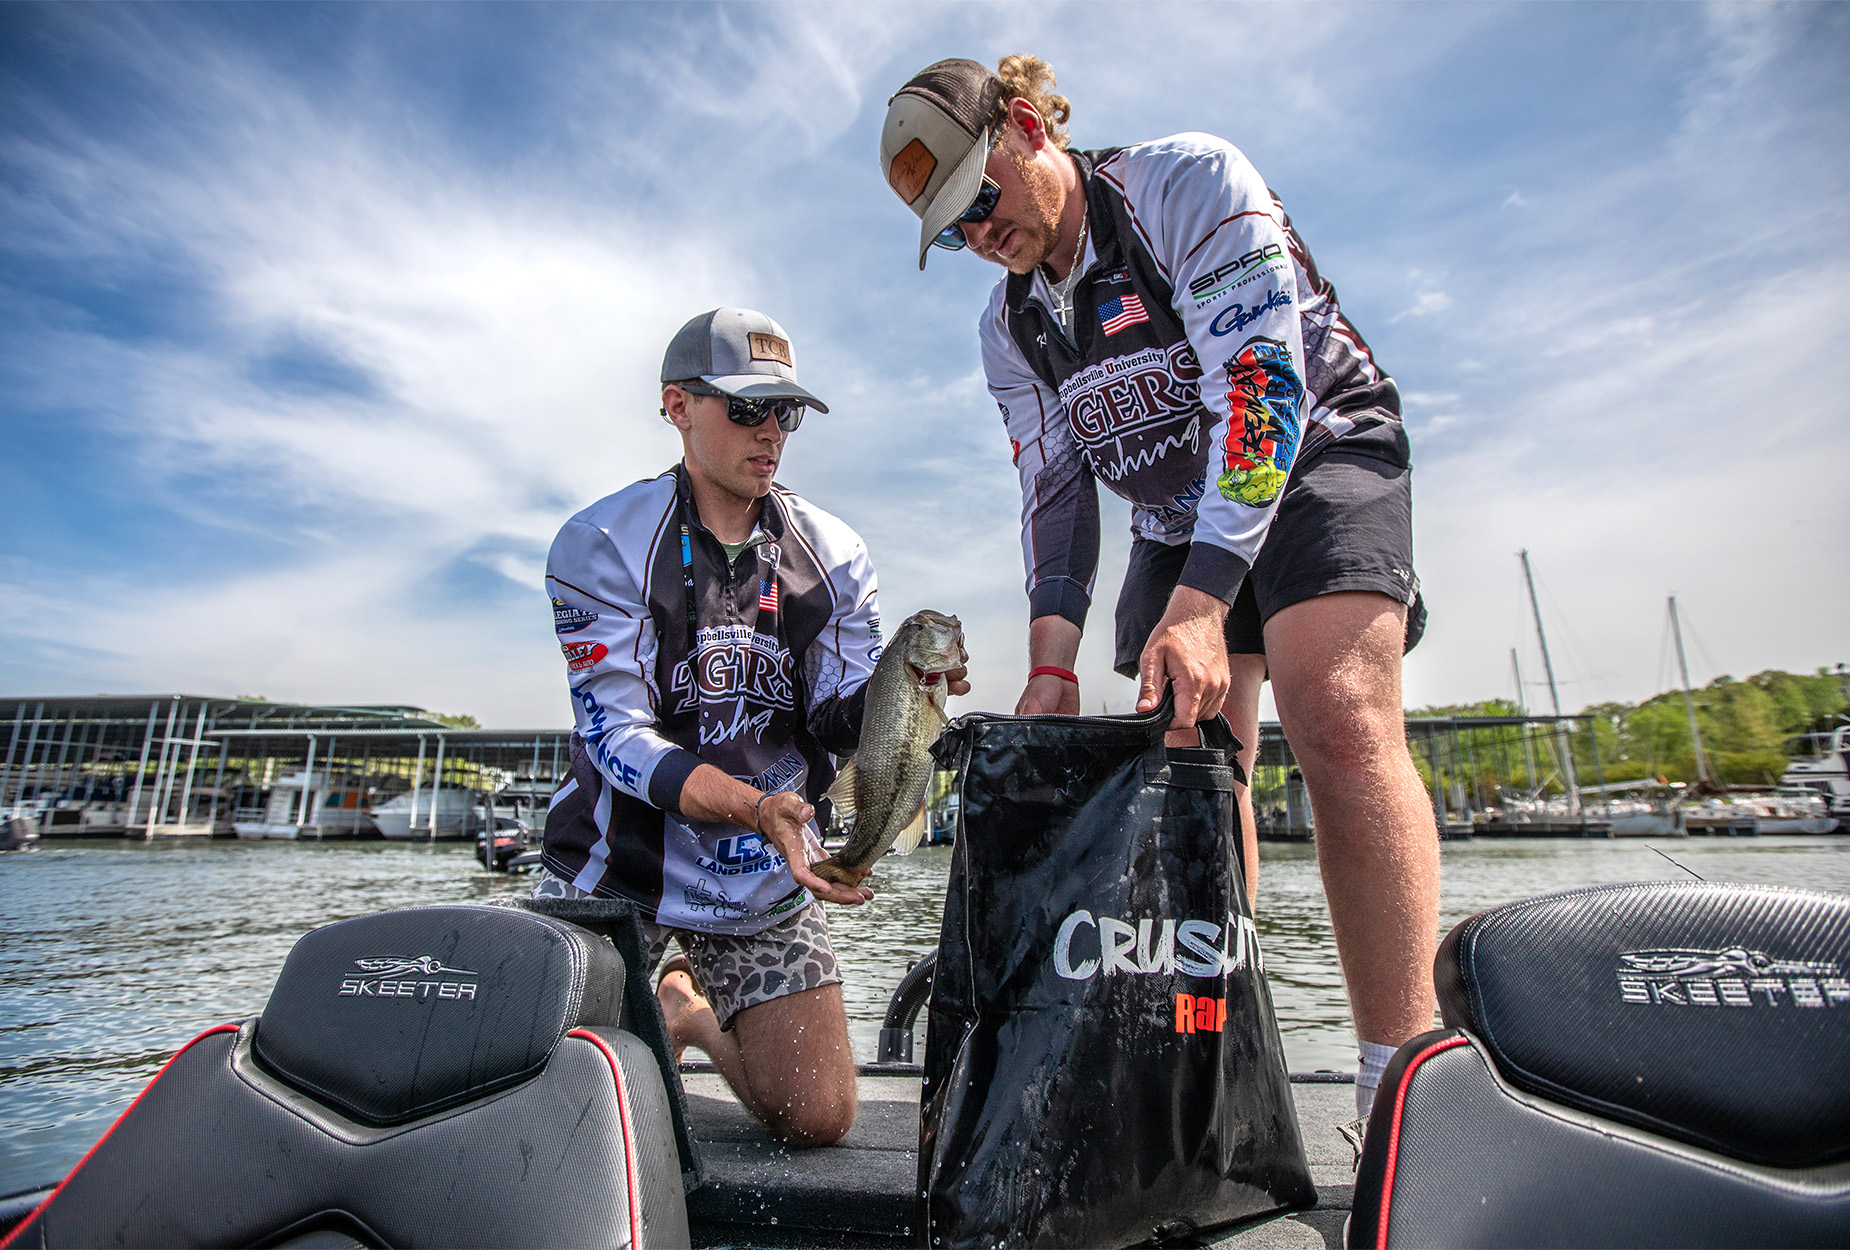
<point x="1102" y="1064"/>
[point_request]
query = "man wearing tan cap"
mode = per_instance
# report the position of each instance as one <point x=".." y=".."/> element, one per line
<point x="1163" y="329"/>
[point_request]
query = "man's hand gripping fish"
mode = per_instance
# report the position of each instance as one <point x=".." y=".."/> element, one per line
<point x="883" y="788"/>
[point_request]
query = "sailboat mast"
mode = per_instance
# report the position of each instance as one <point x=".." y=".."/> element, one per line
<point x="1566" y="753"/>
<point x="1689" y="704"/>
<point x="1522" y="709"/>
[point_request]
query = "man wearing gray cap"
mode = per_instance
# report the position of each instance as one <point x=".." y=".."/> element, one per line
<point x="718" y="634"/>
<point x="1163" y="329"/>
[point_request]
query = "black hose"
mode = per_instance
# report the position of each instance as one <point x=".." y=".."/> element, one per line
<point x="909" y="998"/>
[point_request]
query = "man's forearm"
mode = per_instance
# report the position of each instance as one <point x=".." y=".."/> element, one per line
<point x="1187" y="603"/>
<point x="1053" y="640"/>
<point x="709" y="794"/>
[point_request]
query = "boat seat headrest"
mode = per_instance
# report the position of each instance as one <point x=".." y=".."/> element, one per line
<point x="1714" y="1014"/>
<point x="391" y="1017"/>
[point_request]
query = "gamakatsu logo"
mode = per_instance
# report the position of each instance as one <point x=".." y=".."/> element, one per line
<point x="1087" y="946"/>
<point x="387" y="977"/>
<point x="1730" y="977"/>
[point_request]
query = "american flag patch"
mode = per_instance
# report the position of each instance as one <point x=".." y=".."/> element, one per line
<point x="767" y="596"/>
<point x="1125" y="310"/>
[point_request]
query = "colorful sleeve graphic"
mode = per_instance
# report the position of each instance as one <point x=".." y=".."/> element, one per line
<point x="1263" y="392"/>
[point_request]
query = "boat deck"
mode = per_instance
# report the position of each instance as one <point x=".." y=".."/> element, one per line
<point x="858" y="1192"/>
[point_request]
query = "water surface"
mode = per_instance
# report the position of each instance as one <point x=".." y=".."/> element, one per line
<point x="113" y="954"/>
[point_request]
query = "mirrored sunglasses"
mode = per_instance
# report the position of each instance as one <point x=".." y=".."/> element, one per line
<point x="752" y="412"/>
<point x="951" y="237"/>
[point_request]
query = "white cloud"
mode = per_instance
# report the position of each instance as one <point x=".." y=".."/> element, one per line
<point x="1645" y="390"/>
<point x="1428" y="303"/>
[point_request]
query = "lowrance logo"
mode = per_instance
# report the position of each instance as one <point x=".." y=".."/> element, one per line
<point x="1089" y="946"/>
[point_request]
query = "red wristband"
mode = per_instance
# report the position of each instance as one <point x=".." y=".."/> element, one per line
<point x="1049" y="670"/>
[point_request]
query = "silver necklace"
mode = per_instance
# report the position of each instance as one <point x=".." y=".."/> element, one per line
<point x="1061" y="292"/>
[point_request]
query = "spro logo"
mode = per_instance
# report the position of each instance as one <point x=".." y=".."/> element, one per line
<point x="1730" y="977"/>
<point x="1088" y="946"/>
<point x="385" y="977"/>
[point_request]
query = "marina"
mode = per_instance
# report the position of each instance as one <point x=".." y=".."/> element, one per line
<point x="179" y="765"/>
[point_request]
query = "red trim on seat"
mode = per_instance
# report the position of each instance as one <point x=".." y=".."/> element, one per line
<point x="629" y="1135"/>
<point x="17" y="1228"/>
<point x="1393" y="1148"/>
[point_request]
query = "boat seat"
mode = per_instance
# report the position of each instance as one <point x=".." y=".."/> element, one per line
<point x="450" y="1075"/>
<point x="1651" y="1064"/>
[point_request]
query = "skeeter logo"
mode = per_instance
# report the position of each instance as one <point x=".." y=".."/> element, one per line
<point x="1732" y="976"/>
<point x="385" y="977"/>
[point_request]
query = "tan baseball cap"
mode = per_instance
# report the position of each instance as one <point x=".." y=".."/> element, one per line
<point x="936" y="139"/>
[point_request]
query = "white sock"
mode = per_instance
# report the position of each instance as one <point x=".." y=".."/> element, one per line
<point x="1374" y="1061"/>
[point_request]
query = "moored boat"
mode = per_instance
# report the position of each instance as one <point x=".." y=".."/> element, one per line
<point x="1821" y="766"/>
<point x="445" y="815"/>
<point x="299" y="806"/>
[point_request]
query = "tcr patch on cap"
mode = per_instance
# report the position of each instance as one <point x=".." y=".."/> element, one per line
<point x="911" y="169"/>
<point x="770" y="347"/>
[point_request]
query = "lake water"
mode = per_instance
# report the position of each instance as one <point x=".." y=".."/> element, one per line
<point x="113" y="954"/>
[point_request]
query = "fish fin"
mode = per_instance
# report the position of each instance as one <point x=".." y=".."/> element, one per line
<point x="841" y="793"/>
<point x="914" y="832"/>
<point x="840" y="874"/>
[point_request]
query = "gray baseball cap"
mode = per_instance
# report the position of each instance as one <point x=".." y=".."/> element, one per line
<point x="936" y="140"/>
<point x="738" y="351"/>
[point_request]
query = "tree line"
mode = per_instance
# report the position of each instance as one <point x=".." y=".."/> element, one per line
<point x="1748" y="729"/>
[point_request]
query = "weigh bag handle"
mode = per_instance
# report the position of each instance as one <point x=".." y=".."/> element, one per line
<point x="1214" y="765"/>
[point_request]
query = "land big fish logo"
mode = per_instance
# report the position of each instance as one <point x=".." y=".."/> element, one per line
<point x="1263" y="392"/>
<point x="1733" y="976"/>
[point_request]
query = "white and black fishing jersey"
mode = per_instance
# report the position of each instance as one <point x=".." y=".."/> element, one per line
<point x="677" y="656"/>
<point x="1207" y="356"/>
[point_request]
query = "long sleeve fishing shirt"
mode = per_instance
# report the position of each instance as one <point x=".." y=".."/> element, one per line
<point x="1207" y="356"/>
<point x="678" y="656"/>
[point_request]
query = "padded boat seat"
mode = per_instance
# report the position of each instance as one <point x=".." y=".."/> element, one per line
<point x="1654" y="1064"/>
<point x="448" y="1076"/>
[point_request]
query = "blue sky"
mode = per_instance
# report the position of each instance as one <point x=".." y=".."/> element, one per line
<point x="319" y="320"/>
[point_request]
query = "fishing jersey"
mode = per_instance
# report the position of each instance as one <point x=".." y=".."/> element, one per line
<point x="1208" y="356"/>
<point x="677" y="656"/>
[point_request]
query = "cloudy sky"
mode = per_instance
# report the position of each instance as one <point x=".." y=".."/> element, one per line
<point x="320" y="320"/>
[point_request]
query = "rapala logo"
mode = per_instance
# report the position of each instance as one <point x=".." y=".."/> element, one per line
<point x="1730" y="977"/>
<point x="1200" y="1014"/>
<point x="385" y="978"/>
<point x="1086" y="947"/>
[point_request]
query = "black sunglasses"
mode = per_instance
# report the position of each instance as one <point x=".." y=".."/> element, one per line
<point x="752" y="412"/>
<point x="951" y="237"/>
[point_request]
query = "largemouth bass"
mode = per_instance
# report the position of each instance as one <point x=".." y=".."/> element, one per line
<point x="883" y="787"/>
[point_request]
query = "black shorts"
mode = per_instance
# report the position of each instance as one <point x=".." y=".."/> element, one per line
<point x="1345" y="523"/>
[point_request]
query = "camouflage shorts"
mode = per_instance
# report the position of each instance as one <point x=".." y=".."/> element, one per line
<point x="736" y="972"/>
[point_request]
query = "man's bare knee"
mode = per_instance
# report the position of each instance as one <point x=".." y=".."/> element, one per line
<point x="801" y="1067"/>
<point x="815" y="1116"/>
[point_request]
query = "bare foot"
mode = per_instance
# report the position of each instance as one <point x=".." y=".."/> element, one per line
<point x="681" y="1000"/>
